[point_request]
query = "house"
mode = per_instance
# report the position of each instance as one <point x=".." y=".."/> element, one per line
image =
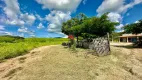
<point x="130" y="37"/>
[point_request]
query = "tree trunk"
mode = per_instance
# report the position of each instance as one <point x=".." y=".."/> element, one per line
<point x="77" y="45"/>
<point x="77" y="38"/>
<point x="112" y="38"/>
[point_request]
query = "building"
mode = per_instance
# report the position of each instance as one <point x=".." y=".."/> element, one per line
<point x="130" y="37"/>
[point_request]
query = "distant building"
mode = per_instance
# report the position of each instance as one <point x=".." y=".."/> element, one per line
<point x="130" y="37"/>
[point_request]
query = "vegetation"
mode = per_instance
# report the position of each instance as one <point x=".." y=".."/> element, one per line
<point x="13" y="46"/>
<point x="115" y="36"/>
<point x="10" y="39"/>
<point x="135" y="28"/>
<point x="83" y="26"/>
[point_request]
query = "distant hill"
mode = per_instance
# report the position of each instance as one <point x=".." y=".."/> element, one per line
<point x="8" y="38"/>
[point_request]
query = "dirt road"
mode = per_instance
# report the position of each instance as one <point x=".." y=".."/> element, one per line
<point x="59" y="63"/>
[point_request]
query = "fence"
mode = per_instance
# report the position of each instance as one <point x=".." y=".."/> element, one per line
<point x="101" y="45"/>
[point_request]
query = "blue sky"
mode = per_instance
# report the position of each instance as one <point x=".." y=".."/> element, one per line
<point x="43" y="18"/>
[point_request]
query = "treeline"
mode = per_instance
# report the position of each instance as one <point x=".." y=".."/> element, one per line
<point x="16" y="39"/>
<point x="10" y="39"/>
<point x="134" y="28"/>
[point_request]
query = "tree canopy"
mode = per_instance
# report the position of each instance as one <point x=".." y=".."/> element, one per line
<point x="87" y="27"/>
<point x="134" y="28"/>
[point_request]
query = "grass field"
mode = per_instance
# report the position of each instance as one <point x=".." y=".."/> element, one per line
<point x="11" y="47"/>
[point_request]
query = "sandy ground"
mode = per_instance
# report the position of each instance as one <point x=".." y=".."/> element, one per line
<point x="59" y="63"/>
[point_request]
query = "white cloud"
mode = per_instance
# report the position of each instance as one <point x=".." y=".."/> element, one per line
<point x="16" y="22"/>
<point x="120" y="26"/>
<point x="110" y="6"/>
<point x="5" y="33"/>
<point x="136" y="21"/>
<point x="39" y="17"/>
<point x="64" y="35"/>
<point x="11" y="9"/>
<point x="118" y="6"/>
<point x="40" y="26"/>
<point x="62" y="5"/>
<point x="24" y="19"/>
<point x="14" y="16"/>
<point x="8" y="33"/>
<point x="120" y="31"/>
<point x="2" y="27"/>
<point x="32" y="35"/>
<point x="55" y="19"/>
<point x="25" y="30"/>
<point x="28" y="18"/>
<point x="2" y="18"/>
<point x="60" y="12"/>
<point x="114" y="17"/>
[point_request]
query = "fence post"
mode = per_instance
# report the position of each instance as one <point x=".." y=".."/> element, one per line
<point x="108" y="42"/>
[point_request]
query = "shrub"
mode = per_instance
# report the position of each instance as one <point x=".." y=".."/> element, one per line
<point x="138" y="44"/>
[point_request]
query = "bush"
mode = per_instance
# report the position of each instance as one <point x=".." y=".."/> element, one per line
<point x="138" y="44"/>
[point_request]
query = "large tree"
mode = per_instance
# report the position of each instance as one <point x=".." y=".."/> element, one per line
<point x="73" y="26"/>
<point x="99" y="26"/>
<point x="88" y="27"/>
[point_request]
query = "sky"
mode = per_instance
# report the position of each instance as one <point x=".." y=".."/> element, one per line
<point x="44" y="18"/>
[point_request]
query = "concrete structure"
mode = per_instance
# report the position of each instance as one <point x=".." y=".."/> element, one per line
<point x="130" y="37"/>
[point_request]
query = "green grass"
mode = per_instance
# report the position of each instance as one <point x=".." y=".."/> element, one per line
<point x="21" y="47"/>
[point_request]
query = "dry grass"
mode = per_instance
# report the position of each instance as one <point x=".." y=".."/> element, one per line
<point x="11" y="72"/>
<point x="59" y="63"/>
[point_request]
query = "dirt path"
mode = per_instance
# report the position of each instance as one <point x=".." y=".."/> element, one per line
<point x="59" y="63"/>
<point x="9" y="67"/>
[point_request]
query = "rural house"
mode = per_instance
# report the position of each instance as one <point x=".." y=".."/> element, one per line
<point x="130" y="37"/>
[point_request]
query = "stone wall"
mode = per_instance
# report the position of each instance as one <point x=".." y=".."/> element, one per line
<point x="100" y="45"/>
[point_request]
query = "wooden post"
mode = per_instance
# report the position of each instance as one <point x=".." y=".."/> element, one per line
<point x="127" y="40"/>
<point x="108" y="41"/>
<point x="112" y="38"/>
<point x="137" y="38"/>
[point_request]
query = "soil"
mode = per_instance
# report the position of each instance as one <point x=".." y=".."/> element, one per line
<point x="59" y="63"/>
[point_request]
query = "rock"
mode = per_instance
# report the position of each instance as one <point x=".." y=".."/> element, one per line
<point x="64" y="44"/>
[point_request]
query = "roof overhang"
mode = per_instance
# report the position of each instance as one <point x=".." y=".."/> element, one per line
<point x="131" y="36"/>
